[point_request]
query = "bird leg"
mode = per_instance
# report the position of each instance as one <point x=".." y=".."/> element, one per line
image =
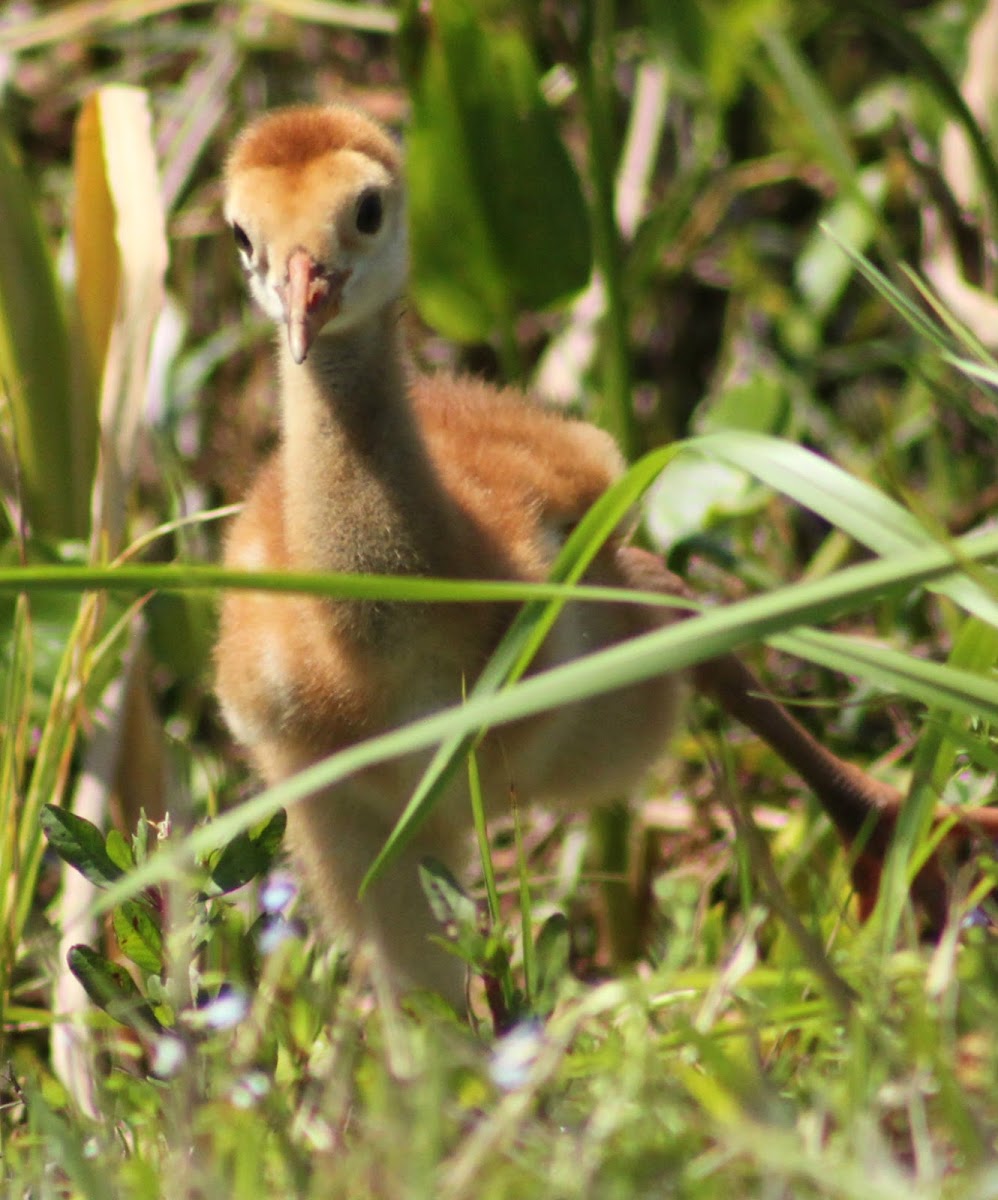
<point x="863" y="810"/>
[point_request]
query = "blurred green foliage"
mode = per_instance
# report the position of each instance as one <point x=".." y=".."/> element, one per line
<point x="698" y="156"/>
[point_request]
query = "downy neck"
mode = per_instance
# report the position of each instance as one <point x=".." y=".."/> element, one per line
<point x="360" y="492"/>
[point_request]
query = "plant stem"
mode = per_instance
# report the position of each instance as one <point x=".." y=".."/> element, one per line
<point x="615" y="411"/>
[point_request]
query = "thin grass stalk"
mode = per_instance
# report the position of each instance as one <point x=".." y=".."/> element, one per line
<point x="614" y="410"/>
<point x="526" y="903"/>
<point x="611" y="828"/>
<point x="482" y="837"/>
<point x="53" y="758"/>
<point x="13" y="761"/>
<point x="673" y="648"/>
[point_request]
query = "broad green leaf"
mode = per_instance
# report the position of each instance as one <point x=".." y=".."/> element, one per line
<point x="138" y="935"/>
<point x="695" y="490"/>
<point x="118" y="850"/>
<point x="55" y="466"/>
<point x="498" y="219"/>
<point x="80" y="843"/>
<point x="248" y="856"/>
<point x="454" y="910"/>
<point x="551" y="956"/>
<point x="450" y="903"/>
<point x="112" y="989"/>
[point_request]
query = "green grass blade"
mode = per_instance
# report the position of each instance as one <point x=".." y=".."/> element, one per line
<point x="975" y="648"/>
<point x="521" y="642"/>
<point x="673" y="648"/>
<point x="811" y="101"/>
<point x="185" y="577"/>
<point x="905" y="307"/>
<point x="850" y="504"/>
<point x="934" y="684"/>
<point x="14" y="718"/>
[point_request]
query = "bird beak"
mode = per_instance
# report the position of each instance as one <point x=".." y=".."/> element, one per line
<point x="312" y="296"/>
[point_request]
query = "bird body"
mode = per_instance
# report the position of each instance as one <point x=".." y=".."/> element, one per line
<point x="383" y="470"/>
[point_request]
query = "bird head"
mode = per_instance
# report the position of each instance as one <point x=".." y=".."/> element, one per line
<point x="315" y="201"/>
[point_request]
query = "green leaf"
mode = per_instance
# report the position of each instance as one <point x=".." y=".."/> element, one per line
<point x="248" y="855"/>
<point x="138" y="936"/>
<point x="55" y="456"/>
<point x="269" y="839"/>
<point x="683" y="34"/>
<point x="80" y="843"/>
<point x="975" y="648"/>
<point x="499" y="222"/>
<point x="813" y="106"/>
<point x="951" y="688"/>
<point x="455" y="911"/>
<point x="118" y="850"/>
<point x="450" y="903"/>
<point x="551" y="956"/>
<point x="112" y="989"/>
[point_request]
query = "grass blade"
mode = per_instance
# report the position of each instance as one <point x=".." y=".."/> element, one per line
<point x="865" y="513"/>
<point x="670" y="649"/>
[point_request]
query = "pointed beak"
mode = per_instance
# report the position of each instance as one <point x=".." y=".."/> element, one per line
<point x="311" y="297"/>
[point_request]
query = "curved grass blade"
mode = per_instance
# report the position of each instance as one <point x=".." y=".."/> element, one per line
<point x="670" y="649"/>
<point x="934" y="684"/>
<point x="866" y="514"/>
<point x="129" y="579"/>
<point x="521" y="642"/>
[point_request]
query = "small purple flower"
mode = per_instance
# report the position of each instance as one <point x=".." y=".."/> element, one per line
<point x="515" y="1054"/>
<point x="168" y="1056"/>
<point x="278" y="892"/>
<point x="248" y="1090"/>
<point x="275" y="931"/>
<point x="226" y="1010"/>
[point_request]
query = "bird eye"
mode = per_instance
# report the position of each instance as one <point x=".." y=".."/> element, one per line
<point x="242" y="239"/>
<point x="370" y="211"/>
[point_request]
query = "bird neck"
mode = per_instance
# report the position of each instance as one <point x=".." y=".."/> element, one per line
<point x="360" y="492"/>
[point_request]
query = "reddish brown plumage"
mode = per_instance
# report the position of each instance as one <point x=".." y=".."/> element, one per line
<point x="294" y="137"/>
